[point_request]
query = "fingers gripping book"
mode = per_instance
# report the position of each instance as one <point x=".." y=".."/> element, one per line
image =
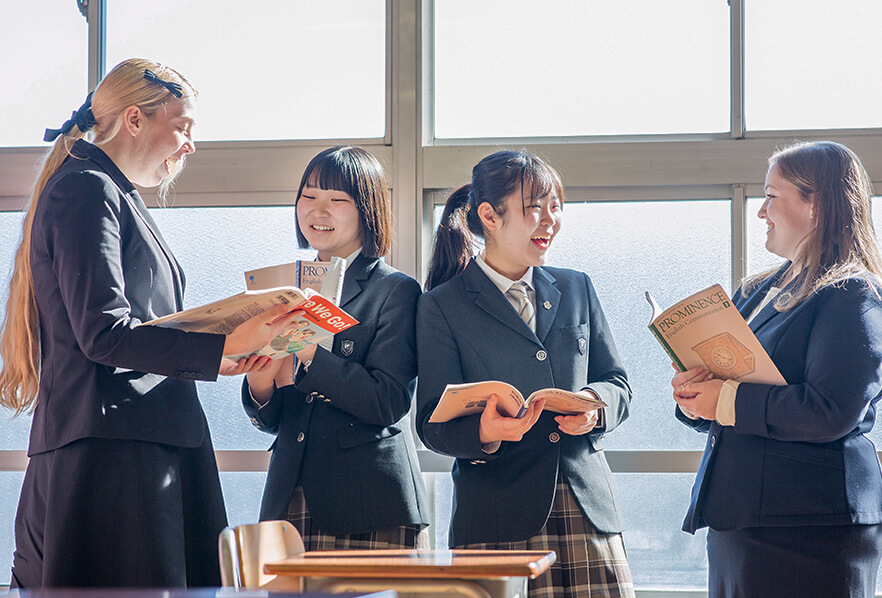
<point x="706" y="330"/>
<point x="459" y="400"/>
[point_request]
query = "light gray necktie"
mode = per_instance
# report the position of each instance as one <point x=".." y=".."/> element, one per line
<point x="518" y="292"/>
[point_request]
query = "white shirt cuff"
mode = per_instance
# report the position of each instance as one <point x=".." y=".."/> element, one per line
<point x="726" y="403"/>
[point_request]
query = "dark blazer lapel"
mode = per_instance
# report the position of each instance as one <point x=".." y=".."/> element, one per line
<point x="548" y="295"/>
<point x="357" y="274"/>
<point x="84" y="149"/>
<point x="489" y="298"/>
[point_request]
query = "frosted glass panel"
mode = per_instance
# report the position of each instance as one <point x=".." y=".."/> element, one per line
<point x="812" y="65"/>
<point x="216" y="246"/>
<point x="273" y="69"/>
<point x="628" y="248"/>
<point x="44" y="70"/>
<point x="505" y="68"/>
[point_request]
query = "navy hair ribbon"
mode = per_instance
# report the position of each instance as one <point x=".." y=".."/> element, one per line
<point x="82" y="118"/>
<point x="173" y="88"/>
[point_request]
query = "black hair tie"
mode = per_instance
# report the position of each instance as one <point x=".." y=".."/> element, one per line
<point x="173" y="88"/>
<point x="82" y="118"/>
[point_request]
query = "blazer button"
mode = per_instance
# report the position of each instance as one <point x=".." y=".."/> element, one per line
<point x="324" y="398"/>
<point x="554" y="437"/>
<point x="300" y="437"/>
<point x="541" y="355"/>
<point x="254" y="422"/>
<point x="477" y="462"/>
<point x="713" y="441"/>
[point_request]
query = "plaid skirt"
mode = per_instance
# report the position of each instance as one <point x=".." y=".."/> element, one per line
<point x="405" y="536"/>
<point x="589" y="564"/>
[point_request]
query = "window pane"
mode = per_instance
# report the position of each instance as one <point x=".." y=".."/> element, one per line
<point x="628" y="248"/>
<point x="812" y="65"/>
<point x="574" y="67"/>
<point x="215" y="246"/>
<point x="273" y="69"/>
<point x="45" y="48"/>
<point x="13" y="430"/>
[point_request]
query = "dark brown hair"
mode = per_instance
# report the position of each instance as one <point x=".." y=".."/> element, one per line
<point x="354" y="171"/>
<point x="494" y="179"/>
<point x="842" y="244"/>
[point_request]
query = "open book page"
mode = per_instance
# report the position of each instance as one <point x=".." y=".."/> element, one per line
<point x="706" y="330"/>
<point x="322" y="318"/>
<point x="459" y="400"/>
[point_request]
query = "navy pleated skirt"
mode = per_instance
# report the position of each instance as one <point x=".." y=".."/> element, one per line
<point x="114" y="513"/>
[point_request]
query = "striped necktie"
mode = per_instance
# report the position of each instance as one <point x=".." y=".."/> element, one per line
<point x="518" y="292"/>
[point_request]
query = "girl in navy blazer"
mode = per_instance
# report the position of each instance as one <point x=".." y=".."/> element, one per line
<point x="344" y="468"/>
<point x="789" y="484"/>
<point x="122" y="486"/>
<point x="539" y="482"/>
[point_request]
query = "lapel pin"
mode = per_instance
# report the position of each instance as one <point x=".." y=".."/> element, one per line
<point x="547" y="305"/>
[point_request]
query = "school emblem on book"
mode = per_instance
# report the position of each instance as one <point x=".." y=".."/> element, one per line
<point x="347" y="347"/>
<point x="583" y="346"/>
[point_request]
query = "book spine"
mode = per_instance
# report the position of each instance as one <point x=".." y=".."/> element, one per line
<point x="661" y="340"/>
<point x="298" y="274"/>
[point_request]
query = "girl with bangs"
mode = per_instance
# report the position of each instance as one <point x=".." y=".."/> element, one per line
<point x="344" y="468"/>
<point x="540" y="482"/>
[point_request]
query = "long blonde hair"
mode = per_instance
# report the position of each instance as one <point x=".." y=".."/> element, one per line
<point x="842" y="244"/>
<point x="123" y="86"/>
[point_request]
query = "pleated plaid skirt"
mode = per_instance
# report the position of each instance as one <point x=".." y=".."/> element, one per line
<point x="405" y="536"/>
<point x="589" y="564"/>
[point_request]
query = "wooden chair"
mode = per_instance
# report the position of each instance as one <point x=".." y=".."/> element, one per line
<point x="243" y="551"/>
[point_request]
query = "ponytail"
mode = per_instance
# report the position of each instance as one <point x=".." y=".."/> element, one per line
<point x="454" y="239"/>
<point x="20" y="331"/>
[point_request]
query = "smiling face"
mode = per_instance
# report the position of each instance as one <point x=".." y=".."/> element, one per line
<point x="788" y="216"/>
<point x="166" y="138"/>
<point x="330" y="222"/>
<point x="522" y="236"/>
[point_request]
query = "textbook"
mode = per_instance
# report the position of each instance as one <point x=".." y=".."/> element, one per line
<point x="324" y="277"/>
<point x="706" y="330"/>
<point x="321" y="320"/>
<point x="466" y="399"/>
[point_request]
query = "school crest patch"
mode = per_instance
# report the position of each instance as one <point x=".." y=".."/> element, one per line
<point x="347" y="347"/>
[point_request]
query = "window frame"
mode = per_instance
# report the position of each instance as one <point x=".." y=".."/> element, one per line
<point x="423" y="169"/>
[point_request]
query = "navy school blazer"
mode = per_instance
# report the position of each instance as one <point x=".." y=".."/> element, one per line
<point x="798" y="454"/>
<point x="342" y="429"/>
<point x="467" y="331"/>
<point x="100" y="266"/>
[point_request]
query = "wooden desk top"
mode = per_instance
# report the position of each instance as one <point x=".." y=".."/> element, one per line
<point x="411" y="564"/>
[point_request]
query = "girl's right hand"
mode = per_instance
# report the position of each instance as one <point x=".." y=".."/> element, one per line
<point x="680" y="379"/>
<point x="495" y="426"/>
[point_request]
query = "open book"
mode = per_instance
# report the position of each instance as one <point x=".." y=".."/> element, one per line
<point x="322" y="318"/>
<point x="466" y="399"/>
<point x="706" y="330"/>
<point x="324" y="277"/>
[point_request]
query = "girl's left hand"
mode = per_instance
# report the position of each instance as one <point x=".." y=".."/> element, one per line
<point x="700" y="398"/>
<point x="576" y="425"/>
<point x="306" y="355"/>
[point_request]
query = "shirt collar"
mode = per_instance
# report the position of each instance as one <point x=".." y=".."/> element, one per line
<point x="503" y="282"/>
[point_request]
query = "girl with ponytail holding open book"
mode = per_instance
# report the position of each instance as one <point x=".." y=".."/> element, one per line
<point x="540" y="482"/>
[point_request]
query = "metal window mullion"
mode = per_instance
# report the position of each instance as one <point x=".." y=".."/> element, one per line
<point x="96" y="15"/>
<point x="739" y="235"/>
<point x="736" y="68"/>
